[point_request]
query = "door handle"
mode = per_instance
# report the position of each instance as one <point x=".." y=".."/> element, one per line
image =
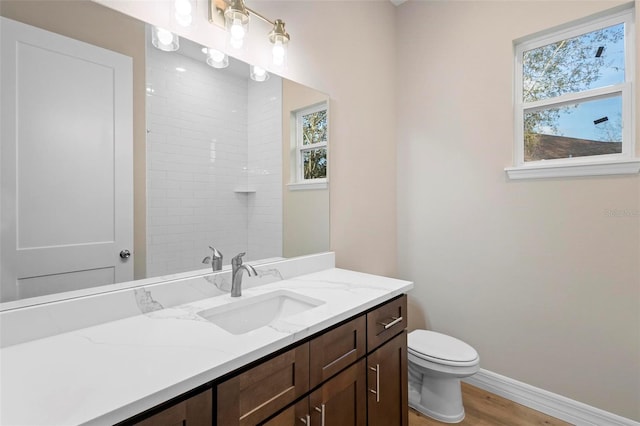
<point x="125" y="254"/>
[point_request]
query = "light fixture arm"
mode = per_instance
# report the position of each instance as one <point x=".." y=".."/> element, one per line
<point x="278" y="26"/>
<point x="259" y="15"/>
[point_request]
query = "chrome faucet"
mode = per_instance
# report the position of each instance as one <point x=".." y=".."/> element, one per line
<point x="236" y="274"/>
<point x="215" y="260"/>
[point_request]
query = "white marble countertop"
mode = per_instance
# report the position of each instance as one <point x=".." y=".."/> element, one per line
<point x="109" y="372"/>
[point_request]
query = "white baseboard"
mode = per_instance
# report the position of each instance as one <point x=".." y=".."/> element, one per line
<point x="555" y="405"/>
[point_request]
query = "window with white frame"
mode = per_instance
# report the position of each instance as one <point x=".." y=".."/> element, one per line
<point x="312" y="133"/>
<point x="574" y="105"/>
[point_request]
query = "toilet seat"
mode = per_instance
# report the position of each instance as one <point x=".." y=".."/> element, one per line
<point x="441" y="349"/>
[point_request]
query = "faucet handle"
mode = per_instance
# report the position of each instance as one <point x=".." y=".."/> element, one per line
<point x="237" y="260"/>
<point x="216" y="253"/>
<point x="215" y="259"/>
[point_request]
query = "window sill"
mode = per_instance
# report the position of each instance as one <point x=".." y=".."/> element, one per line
<point x="303" y="186"/>
<point x="541" y="171"/>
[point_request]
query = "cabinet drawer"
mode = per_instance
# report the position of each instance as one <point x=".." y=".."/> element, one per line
<point x="252" y="396"/>
<point x="336" y="350"/>
<point x="386" y="321"/>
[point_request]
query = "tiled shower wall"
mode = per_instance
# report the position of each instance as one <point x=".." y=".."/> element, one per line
<point x="197" y="159"/>
<point x="265" y="168"/>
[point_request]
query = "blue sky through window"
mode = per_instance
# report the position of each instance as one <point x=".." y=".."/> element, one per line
<point x="582" y="121"/>
<point x="552" y="70"/>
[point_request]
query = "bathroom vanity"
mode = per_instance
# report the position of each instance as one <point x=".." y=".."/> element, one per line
<point x="354" y="373"/>
<point x="341" y="355"/>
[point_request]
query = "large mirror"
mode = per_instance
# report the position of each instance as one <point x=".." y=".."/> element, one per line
<point x="213" y="158"/>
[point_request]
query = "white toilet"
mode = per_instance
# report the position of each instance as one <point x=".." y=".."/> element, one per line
<point x="437" y="362"/>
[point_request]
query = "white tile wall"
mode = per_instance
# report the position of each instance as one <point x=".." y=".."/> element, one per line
<point x="203" y="126"/>
<point x="265" y="168"/>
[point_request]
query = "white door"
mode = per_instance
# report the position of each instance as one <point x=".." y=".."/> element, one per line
<point x="66" y="174"/>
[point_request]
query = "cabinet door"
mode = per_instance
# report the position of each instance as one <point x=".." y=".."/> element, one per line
<point x="195" y="411"/>
<point x="336" y="349"/>
<point x="253" y="396"/>
<point x="387" y="383"/>
<point x="342" y="400"/>
<point x="295" y="415"/>
<point x="386" y="321"/>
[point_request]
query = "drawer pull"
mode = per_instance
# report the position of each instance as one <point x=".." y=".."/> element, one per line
<point x="377" y="391"/>
<point x="306" y="420"/>
<point x="388" y="325"/>
<point x="321" y="411"/>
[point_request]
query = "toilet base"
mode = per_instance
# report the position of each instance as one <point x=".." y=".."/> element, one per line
<point x="437" y="416"/>
<point x="437" y="397"/>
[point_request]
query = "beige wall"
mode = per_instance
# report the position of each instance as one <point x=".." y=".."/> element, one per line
<point x="532" y="273"/>
<point x="105" y="28"/>
<point x="305" y="212"/>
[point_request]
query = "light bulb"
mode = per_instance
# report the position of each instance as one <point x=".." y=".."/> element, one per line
<point x="164" y="40"/>
<point x="183" y="12"/>
<point x="237" y="30"/>
<point x="216" y="55"/>
<point x="183" y="7"/>
<point x="217" y="59"/>
<point x="165" y="37"/>
<point x="278" y="53"/>
<point x="258" y="73"/>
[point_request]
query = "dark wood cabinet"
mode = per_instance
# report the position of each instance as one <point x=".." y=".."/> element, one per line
<point x="296" y="414"/>
<point x="195" y="411"/>
<point x="342" y="400"/>
<point x="387" y="383"/>
<point x="356" y="374"/>
<point x="254" y="395"/>
<point x="336" y="349"/>
<point x="386" y="321"/>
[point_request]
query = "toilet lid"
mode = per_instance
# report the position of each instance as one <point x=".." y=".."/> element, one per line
<point x="440" y="347"/>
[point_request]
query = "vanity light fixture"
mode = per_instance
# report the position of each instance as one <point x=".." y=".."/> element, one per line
<point x="280" y="40"/>
<point x="258" y="73"/>
<point x="182" y="12"/>
<point x="233" y="15"/>
<point x="216" y="58"/>
<point x="164" y="39"/>
<point x="236" y="22"/>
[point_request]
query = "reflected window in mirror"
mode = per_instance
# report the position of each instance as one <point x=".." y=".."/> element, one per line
<point x="311" y="138"/>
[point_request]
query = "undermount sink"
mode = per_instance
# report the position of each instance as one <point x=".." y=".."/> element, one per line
<point x="254" y="312"/>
